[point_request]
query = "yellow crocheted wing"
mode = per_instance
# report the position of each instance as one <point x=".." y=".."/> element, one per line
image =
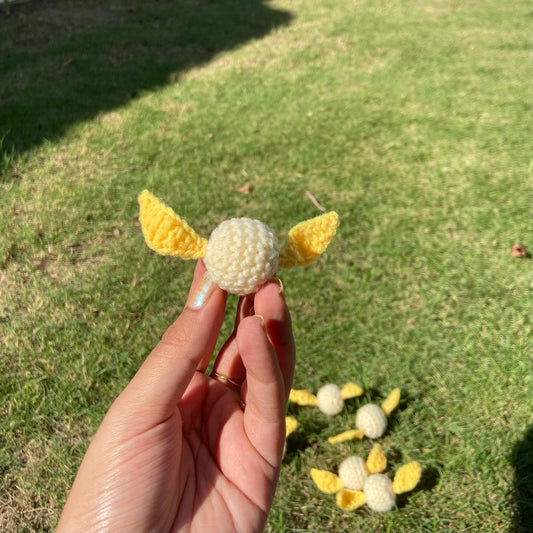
<point x="290" y="425"/>
<point x="407" y="477"/>
<point x="377" y="461"/>
<point x="347" y="435"/>
<point x="326" y="481"/>
<point x="165" y="232"/>
<point x="391" y="402"/>
<point x="308" y="239"/>
<point x="302" y="397"/>
<point x="349" y="500"/>
<point x="351" y="390"/>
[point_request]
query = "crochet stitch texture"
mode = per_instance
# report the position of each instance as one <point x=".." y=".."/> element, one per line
<point x="167" y="233"/>
<point x="372" y="420"/>
<point x="241" y="255"/>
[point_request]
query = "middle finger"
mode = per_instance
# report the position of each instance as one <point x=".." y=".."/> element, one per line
<point x="228" y="366"/>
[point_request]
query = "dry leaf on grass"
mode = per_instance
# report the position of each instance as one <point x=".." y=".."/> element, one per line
<point x="245" y="189"/>
<point x="519" y="250"/>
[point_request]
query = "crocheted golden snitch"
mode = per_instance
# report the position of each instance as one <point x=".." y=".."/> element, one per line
<point x="329" y="398"/>
<point x="370" y="420"/>
<point x="361" y="482"/>
<point x="241" y="253"/>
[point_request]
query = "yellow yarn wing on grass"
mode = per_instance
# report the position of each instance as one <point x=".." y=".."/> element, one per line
<point x="308" y="239"/>
<point x="351" y="390"/>
<point x="326" y="481"/>
<point x="407" y="477"/>
<point x="349" y="500"/>
<point x="302" y="397"/>
<point x="165" y="232"/>
<point x="290" y="425"/>
<point x="347" y="435"/>
<point x="392" y="401"/>
<point x="377" y="461"/>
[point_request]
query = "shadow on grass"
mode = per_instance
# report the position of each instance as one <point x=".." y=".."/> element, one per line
<point x="64" y="61"/>
<point x="522" y="459"/>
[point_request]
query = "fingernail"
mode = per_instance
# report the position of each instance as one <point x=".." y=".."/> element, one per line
<point x="245" y="307"/>
<point x="203" y="290"/>
<point x="262" y="320"/>
<point x="279" y="283"/>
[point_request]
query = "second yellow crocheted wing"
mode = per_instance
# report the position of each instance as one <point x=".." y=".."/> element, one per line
<point x="349" y="500"/>
<point x="351" y="434"/>
<point x="165" y="232"/>
<point x="376" y="461"/>
<point x="392" y="401"/>
<point x="308" y="239"/>
<point x="302" y="397"/>
<point x="351" y="390"/>
<point x="326" y="481"/>
<point x="290" y="425"/>
<point x="407" y="478"/>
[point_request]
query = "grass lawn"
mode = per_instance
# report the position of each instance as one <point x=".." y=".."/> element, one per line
<point x="411" y="119"/>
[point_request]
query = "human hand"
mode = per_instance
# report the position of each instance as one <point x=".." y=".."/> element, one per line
<point x="181" y="450"/>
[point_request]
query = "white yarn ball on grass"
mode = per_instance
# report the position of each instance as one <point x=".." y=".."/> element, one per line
<point x="378" y="493"/>
<point x="241" y="255"/>
<point x="353" y="473"/>
<point x="329" y="399"/>
<point x="372" y="420"/>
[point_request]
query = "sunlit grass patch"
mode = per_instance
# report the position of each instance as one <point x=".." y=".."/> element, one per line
<point x="408" y="119"/>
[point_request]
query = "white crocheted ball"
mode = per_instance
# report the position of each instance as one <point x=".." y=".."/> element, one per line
<point x="329" y="399"/>
<point x="241" y="255"/>
<point x="378" y="493"/>
<point x="372" y="420"/>
<point x="353" y="473"/>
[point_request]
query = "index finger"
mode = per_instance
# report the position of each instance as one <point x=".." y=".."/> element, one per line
<point x="186" y="347"/>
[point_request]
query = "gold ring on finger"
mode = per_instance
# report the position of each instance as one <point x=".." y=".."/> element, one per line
<point x="224" y="379"/>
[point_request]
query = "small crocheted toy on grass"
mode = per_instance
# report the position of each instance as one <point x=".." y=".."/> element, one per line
<point x="361" y="482"/>
<point x="370" y="420"/>
<point x="241" y="253"/>
<point x="329" y="398"/>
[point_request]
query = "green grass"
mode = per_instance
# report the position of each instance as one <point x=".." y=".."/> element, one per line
<point x="410" y="118"/>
